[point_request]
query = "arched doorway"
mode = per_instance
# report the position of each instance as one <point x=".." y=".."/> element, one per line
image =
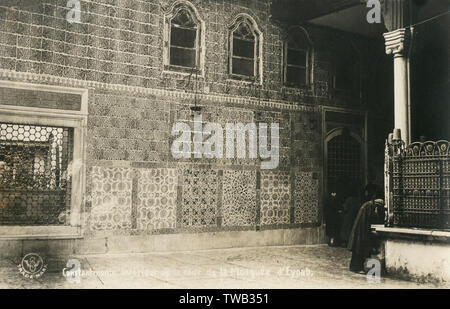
<point x="344" y="170"/>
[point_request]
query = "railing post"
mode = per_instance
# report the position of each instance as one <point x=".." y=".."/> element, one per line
<point x="388" y="184"/>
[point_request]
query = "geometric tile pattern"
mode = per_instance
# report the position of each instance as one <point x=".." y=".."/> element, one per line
<point x="111" y="198"/>
<point x="199" y="197"/>
<point x="156" y="198"/>
<point x="275" y="197"/>
<point x="306" y="198"/>
<point x="239" y="198"/>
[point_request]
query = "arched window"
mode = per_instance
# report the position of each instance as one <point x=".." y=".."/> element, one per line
<point x="183" y="37"/>
<point x="297" y="58"/>
<point x="245" y="49"/>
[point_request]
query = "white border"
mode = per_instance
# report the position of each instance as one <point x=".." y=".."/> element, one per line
<point x="56" y="117"/>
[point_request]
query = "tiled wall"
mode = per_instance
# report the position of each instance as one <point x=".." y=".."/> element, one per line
<point x="199" y="199"/>
<point x="121" y="42"/>
<point x="133" y="184"/>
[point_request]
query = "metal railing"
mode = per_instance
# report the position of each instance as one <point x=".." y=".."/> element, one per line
<point x="417" y="185"/>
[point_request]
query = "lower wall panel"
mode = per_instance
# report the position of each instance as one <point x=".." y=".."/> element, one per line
<point x="162" y="242"/>
<point x="138" y="201"/>
<point x="418" y="260"/>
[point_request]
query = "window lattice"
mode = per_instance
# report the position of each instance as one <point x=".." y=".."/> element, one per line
<point x="34" y="182"/>
<point x="344" y="161"/>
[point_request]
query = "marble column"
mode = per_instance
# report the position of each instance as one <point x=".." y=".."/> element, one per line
<point x="397" y="44"/>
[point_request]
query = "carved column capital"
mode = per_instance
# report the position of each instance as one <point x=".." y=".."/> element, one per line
<point x="399" y="14"/>
<point x="397" y="42"/>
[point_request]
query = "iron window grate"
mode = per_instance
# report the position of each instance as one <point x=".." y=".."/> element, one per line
<point x="35" y="183"/>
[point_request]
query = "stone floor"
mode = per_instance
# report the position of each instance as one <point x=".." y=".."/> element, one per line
<point x="263" y="267"/>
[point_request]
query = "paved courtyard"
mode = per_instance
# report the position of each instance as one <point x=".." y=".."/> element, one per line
<point x="263" y="267"/>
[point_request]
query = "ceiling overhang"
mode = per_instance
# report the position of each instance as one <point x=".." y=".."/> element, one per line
<point x="300" y="11"/>
<point x="350" y="15"/>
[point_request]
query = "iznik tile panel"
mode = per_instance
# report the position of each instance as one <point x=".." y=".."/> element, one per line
<point x="199" y="197"/>
<point x="306" y="198"/>
<point x="111" y="198"/>
<point x="239" y="198"/>
<point x="275" y="198"/>
<point x="156" y="199"/>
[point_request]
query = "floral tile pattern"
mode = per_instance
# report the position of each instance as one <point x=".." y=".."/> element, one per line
<point x="156" y="199"/>
<point x="306" y="198"/>
<point x="275" y="198"/>
<point x="111" y="198"/>
<point x="239" y="198"/>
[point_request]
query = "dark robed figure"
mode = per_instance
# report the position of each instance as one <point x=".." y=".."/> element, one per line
<point x="361" y="241"/>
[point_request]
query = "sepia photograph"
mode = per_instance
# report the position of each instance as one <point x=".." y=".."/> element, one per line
<point x="220" y="150"/>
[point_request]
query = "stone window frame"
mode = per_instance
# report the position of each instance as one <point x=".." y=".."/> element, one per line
<point x="199" y="44"/>
<point x="258" y="50"/>
<point x="309" y="57"/>
<point x="77" y="120"/>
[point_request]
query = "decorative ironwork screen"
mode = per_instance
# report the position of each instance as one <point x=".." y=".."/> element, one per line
<point x="35" y="184"/>
<point x="343" y="161"/>
<point x="419" y="186"/>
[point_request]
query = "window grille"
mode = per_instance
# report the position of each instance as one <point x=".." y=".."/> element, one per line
<point x="35" y="184"/>
<point x="344" y="161"/>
